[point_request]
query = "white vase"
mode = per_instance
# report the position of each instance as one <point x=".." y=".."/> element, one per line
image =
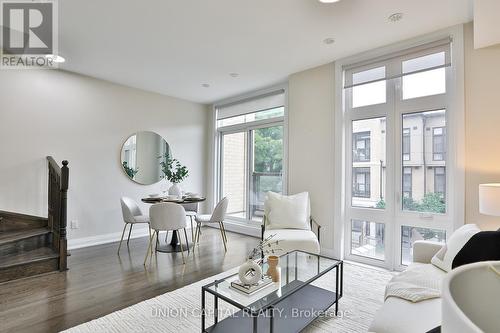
<point x="250" y="272"/>
<point x="175" y="189"/>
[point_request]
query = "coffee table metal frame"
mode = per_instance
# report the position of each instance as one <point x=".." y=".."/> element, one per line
<point x="268" y="308"/>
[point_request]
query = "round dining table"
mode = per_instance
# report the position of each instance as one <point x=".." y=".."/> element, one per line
<point x="174" y="245"/>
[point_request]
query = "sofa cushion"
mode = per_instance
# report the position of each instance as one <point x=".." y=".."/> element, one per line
<point x="444" y="258"/>
<point x="294" y="239"/>
<point x="287" y="212"/>
<point x="398" y="315"/>
<point x="483" y="246"/>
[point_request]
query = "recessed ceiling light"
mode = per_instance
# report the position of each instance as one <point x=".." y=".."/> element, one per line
<point x="328" y="41"/>
<point x="328" y="1"/>
<point x="55" y="58"/>
<point x="396" y="17"/>
<point x="234" y="74"/>
<point x="205" y="85"/>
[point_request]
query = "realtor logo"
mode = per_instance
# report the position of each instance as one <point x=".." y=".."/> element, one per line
<point x="28" y="36"/>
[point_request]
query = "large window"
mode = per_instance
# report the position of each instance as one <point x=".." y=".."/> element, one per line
<point x="251" y="146"/>
<point x="395" y="117"/>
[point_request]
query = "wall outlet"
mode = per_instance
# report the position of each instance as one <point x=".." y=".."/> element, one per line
<point x="75" y="224"/>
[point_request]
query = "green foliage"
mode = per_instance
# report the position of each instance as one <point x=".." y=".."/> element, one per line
<point x="380" y="204"/>
<point x="130" y="172"/>
<point x="173" y="170"/>
<point x="432" y="203"/>
<point x="268" y="149"/>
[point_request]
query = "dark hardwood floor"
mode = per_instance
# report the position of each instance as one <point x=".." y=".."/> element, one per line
<point x="99" y="282"/>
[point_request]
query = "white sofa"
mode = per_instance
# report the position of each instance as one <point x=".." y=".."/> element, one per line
<point x="398" y="315"/>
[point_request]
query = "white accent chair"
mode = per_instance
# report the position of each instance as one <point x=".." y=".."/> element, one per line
<point x="191" y="212"/>
<point x="165" y="217"/>
<point x="218" y="216"/>
<point x="280" y="211"/>
<point x="132" y="214"/>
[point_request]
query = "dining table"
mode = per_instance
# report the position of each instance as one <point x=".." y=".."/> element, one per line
<point x="173" y="245"/>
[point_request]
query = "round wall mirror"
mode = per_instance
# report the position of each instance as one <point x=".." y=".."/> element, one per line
<point x="141" y="156"/>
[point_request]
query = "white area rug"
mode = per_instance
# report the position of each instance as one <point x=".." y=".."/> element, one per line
<point x="178" y="311"/>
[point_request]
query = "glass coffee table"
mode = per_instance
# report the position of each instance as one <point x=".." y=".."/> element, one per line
<point x="286" y="306"/>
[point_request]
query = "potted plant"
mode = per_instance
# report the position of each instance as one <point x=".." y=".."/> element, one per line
<point x="175" y="173"/>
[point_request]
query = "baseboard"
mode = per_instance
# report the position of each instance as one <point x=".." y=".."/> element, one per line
<point x="137" y="232"/>
<point x="239" y="228"/>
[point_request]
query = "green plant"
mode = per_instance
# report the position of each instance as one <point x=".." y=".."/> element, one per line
<point x="431" y="202"/>
<point x="380" y="204"/>
<point x="173" y="170"/>
<point x="130" y="172"/>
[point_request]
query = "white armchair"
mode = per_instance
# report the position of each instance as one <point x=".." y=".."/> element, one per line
<point x="288" y="219"/>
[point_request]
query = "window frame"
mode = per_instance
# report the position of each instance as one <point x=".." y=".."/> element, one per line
<point x="454" y="100"/>
<point x="403" y="144"/>
<point x="246" y="226"/>
<point x="367" y="182"/>
<point x="367" y="143"/>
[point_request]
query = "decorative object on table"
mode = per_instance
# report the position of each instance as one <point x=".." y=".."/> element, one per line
<point x="175" y="173"/>
<point x="251" y="272"/>
<point x="272" y="270"/>
<point x="252" y="288"/>
<point x="139" y="157"/>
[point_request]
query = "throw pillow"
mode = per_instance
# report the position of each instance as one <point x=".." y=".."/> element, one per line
<point x="444" y="258"/>
<point x="483" y="246"/>
<point x="287" y="212"/>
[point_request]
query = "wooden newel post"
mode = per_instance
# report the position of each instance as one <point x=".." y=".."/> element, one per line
<point x="63" y="243"/>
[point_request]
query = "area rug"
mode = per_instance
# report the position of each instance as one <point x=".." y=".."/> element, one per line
<point x="179" y="311"/>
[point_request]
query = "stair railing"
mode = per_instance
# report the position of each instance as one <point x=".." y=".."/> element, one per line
<point x="57" y="208"/>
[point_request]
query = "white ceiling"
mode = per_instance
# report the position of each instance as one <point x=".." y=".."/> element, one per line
<point x="174" y="46"/>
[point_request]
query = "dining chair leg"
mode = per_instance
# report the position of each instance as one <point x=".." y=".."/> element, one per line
<point x="121" y="239"/>
<point x="222" y="235"/>
<point x="157" y="242"/>
<point x="129" y="232"/>
<point x="149" y="251"/>
<point x="198" y="233"/>
<point x="182" y="249"/>
<point x="192" y="230"/>
<point x="187" y="243"/>
<point x="224" y="230"/>
<point x="149" y="228"/>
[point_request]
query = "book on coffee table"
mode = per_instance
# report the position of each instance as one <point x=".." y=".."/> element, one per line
<point x="250" y="289"/>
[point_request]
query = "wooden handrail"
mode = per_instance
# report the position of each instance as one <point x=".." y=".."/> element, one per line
<point x="57" y="207"/>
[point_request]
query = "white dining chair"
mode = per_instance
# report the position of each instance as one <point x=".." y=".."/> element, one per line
<point x="191" y="211"/>
<point x="218" y="216"/>
<point x="167" y="217"/>
<point x="132" y="214"/>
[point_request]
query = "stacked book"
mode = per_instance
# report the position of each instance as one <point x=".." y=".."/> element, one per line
<point x="252" y="288"/>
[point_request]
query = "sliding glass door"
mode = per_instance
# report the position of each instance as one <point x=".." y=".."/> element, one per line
<point x="251" y="156"/>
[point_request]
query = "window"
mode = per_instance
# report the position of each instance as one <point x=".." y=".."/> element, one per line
<point x="406" y="144"/>
<point x="438" y="144"/>
<point x="411" y="234"/>
<point x="369" y="87"/>
<point x="251" y="154"/>
<point x="407" y="182"/>
<point x="361" y="147"/>
<point x="361" y="182"/>
<point x="395" y="114"/>
<point x="440" y="181"/>
<point x="367" y="239"/>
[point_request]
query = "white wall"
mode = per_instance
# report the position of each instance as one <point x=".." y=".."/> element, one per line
<point x="86" y="121"/>
<point x="482" y="119"/>
<point x="311" y="143"/>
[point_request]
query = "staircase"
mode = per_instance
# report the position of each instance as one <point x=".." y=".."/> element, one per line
<point x="31" y="245"/>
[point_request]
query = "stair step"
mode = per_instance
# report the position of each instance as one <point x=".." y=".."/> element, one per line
<point x="28" y="263"/>
<point x="16" y="241"/>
